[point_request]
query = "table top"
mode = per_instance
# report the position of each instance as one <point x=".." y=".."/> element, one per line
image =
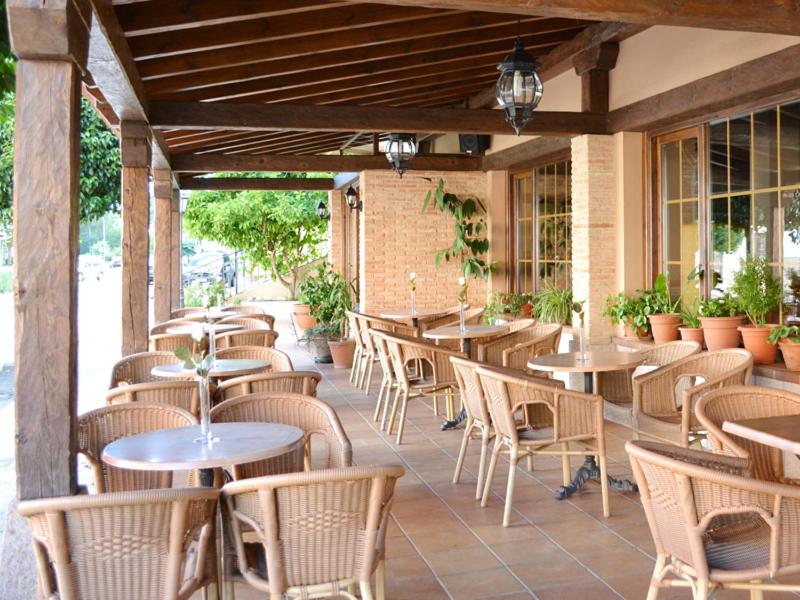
<point x="223" y="367"/>
<point x="596" y="361"/>
<point x="215" y="313"/>
<point x="405" y="313"/>
<point x="470" y="331"/>
<point x="175" y="449"/>
<point x="778" y="432"/>
<point x="190" y="329"/>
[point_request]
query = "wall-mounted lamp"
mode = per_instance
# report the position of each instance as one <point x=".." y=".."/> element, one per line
<point x="322" y="211"/>
<point x="352" y="199"/>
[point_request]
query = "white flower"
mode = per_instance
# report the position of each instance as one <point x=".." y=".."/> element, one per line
<point x="412" y="276"/>
<point x="462" y="281"/>
<point x="198" y="332"/>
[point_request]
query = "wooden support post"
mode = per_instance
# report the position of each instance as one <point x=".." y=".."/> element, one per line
<point x="135" y="144"/>
<point x="593" y="66"/>
<point x="52" y="44"/>
<point x="176" y="252"/>
<point x="162" y="255"/>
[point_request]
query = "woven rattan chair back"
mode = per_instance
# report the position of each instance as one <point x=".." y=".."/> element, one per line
<point x="154" y="544"/>
<point x="100" y="427"/>
<point x="137" y="368"/>
<point x="316" y="418"/>
<point x="180" y="313"/>
<point x="263" y="317"/>
<point x="295" y="382"/>
<point x="244" y="308"/>
<point x="712" y="522"/>
<point x="514" y="350"/>
<point x="246" y="322"/>
<point x="657" y="411"/>
<point x="737" y="402"/>
<point x="183" y="394"/>
<point x="162" y="328"/>
<point x="280" y="361"/>
<point x="470" y="389"/>
<point x="169" y="342"/>
<point x="253" y="337"/>
<point x="445" y="317"/>
<point x="321" y="531"/>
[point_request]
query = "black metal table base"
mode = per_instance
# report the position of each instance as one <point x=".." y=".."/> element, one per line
<point x="452" y="424"/>
<point x="590" y="470"/>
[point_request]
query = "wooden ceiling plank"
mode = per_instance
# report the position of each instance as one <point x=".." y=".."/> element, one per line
<point x="277" y="117"/>
<point x="412" y="97"/>
<point x="278" y="145"/>
<point x="737" y="15"/>
<point x="255" y="183"/>
<point x="330" y="21"/>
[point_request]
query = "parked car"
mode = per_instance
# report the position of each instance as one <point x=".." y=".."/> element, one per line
<point x="90" y="267"/>
<point x="208" y="267"/>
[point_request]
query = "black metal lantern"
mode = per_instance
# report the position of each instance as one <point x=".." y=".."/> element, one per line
<point x="352" y="198"/>
<point x="400" y="150"/>
<point x="322" y="211"/>
<point x="519" y="87"/>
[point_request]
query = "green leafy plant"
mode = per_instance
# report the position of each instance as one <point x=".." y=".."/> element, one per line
<point x="756" y="289"/>
<point x="721" y="306"/>
<point x="790" y="332"/>
<point x="554" y="305"/>
<point x="510" y="303"/>
<point x="656" y="300"/>
<point x="620" y="309"/>
<point x="470" y="242"/>
<point x="329" y="296"/>
<point x="205" y="294"/>
<point x="691" y="316"/>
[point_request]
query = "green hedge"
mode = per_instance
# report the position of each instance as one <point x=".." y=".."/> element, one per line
<point x="6" y="280"/>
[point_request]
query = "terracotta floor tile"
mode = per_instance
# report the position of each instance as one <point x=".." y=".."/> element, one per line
<point x="460" y="560"/>
<point x="489" y="583"/>
<point x="406" y="567"/>
<point x="553" y="569"/>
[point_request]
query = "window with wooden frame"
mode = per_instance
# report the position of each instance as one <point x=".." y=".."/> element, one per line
<point x="542" y="204"/>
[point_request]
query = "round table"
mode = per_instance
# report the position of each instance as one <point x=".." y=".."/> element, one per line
<point x="594" y="361"/>
<point x="223" y="367"/>
<point x="215" y="314"/>
<point x="466" y="336"/>
<point x="404" y="314"/>
<point x="778" y="432"/>
<point x="190" y="329"/>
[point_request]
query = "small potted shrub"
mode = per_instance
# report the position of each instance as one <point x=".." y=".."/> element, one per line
<point x="330" y="300"/>
<point x="623" y="310"/>
<point x="507" y="306"/>
<point x="553" y="305"/>
<point x="307" y="294"/>
<point x="691" y="330"/>
<point x="788" y="338"/>
<point x="661" y="311"/>
<point x="758" y="293"/>
<point x="720" y="320"/>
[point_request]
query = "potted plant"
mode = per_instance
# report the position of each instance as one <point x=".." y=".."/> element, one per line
<point x="788" y="337"/>
<point x="622" y="310"/>
<point x="330" y="297"/>
<point x="661" y="311"/>
<point x="507" y="306"/>
<point x="307" y="293"/>
<point x="758" y="293"/>
<point x="691" y="330"/>
<point x="553" y="305"/>
<point x="720" y="320"/>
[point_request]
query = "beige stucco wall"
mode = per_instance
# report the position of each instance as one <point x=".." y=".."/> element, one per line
<point x="630" y="217"/>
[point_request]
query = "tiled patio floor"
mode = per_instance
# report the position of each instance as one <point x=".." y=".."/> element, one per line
<point x="444" y="545"/>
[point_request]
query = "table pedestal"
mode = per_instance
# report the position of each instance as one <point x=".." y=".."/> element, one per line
<point x="462" y="414"/>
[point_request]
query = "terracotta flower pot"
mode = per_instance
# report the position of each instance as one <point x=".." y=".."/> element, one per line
<point x="342" y="353"/>
<point x="721" y="332"/>
<point x="755" y="340"/>
<point x="527" y="308"/>
<point x="692" y="334"/>
<point x="636" y="334"/>
<point x="303" y="322"/>
<point x="791" y="354"/>
<point x="665" y="327"/>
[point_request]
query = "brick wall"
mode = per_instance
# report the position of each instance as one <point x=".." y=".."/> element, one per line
<point x="396" y="239"/>
<point x="336" y="230"/>
<point x="594" y="211"/>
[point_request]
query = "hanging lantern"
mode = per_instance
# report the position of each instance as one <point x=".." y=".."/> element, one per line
<point x="400" y="150"/>
<point x="351" y="196"/>
<point x="519" y="87"/>
<point x="322" y="211"/>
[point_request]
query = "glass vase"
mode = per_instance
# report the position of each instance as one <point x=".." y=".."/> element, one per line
<point x="581" y="336"/>
<point x="462" y="326"/>
<point x="205" y="411"/>
<point x="413" y="302"/>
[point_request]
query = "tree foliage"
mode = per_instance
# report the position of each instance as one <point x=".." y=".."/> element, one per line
<point x="279" y="230"/>
<point x="100" y="169"/>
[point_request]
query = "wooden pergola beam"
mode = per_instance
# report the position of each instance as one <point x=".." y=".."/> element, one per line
<point x="276" y="117"/>
<point x="772" y="16"/>
<point x="208" y="163"/>
<point x="234" y="184"/>
<point x="526" y="153"/>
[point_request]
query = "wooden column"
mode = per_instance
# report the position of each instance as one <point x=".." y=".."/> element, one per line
<point x="176" y="251"/>
<point x="162" y="255"/>
<point x="593" y="66"/>
<point x="52" y="44"/>
<point x="135" y="144"/>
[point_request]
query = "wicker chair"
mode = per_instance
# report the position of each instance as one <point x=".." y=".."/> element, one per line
<point x="313" y="416"/>
<point x="388" y="379"/>
<point x="738" y="402"/>
<point x="443" y="318"/>
<point x="472" y="316"/>
<point x="246" y="322"/>
<point x="295" y="382"/>
<point x="360" y="349"/>
<point x="616" y="387"/>
<point x="244" y="308"/>
<point x="557" y="418"/>
<point x="319" y="533"/>
<point x="253" y="337"/>
<point x="170" y="342"/>
<point x="280" y="360"/>
<point x="713" y="524"/>
<point x="100" y="427"/>
<point x="136" y="368"/>
<point x="161" y="328"/>
<point x="146" y="544"/>
<point x="263" y="317"/>
<point x="406" y="352"/>
<point x="656" y="411"/>
<point x="367" y="323"/>
<point x="183" y="394"/>
<point x="180" y="313"/>
<point x="544" y="339"/>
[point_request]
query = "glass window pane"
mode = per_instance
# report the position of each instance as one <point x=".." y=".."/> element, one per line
<point x="690" y="233"/>
<point x="790" y="144"/>
<point x="540" y="191"/>
<point x="689" y="169"/>
<point x="559" y="185"/>
<point x="766" y="226"/>
<point x="790" y="200"/>
<point x="740" y="225"/>
<point x="568" y="186"/>
<point x="672" y="232"/>
<point x="719" y="227"/>
<point x="765" y="147"/>
<point x="670" y="171"/>
<point x="740" y="138"/>
<point x="718" y="156"/>
<point x="550" y="189"/>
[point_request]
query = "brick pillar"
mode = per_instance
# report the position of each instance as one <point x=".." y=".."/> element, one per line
<point x="337" y="231"/>
<point x="594" y="250"/>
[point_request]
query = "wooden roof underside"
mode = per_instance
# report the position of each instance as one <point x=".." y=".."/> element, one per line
<point x="316" y="52"/>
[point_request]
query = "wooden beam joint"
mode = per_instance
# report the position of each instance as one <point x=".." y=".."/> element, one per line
<point x="593" y="65"/>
